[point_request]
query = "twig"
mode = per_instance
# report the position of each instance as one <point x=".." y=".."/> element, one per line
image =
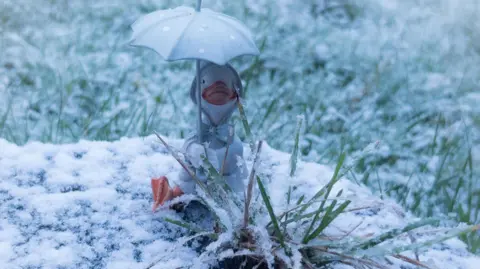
<point x="351" y="231"/>
<point x="367" y="262"/>
<point x="410" y="260"/>
<point x="358" y="208"/>
<point x="250" y="186"/>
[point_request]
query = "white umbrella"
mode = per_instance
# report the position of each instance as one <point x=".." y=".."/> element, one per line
<point x="186" y="33"/>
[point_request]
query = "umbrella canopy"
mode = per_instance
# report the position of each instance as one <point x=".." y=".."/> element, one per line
<point x="184" y="33"/>
<point x="200" y="34"/>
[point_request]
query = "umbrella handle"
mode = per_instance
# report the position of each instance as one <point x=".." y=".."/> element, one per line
<point x="199" y="94"/>
<point x="199" y="5"/>
<point x="199" y="106"/>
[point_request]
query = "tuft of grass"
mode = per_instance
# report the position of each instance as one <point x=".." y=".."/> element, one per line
<point x="314" y="249"/>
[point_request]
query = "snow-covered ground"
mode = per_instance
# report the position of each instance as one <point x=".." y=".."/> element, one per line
<point x="404" y="73"/>
<point x="400" y="74"/>
<point x="87" y="205"/>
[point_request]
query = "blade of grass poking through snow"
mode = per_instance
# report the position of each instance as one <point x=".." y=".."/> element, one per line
<point x="393" y="233"/>
<point x="324" y="191"/>
<point x="184" y="225"/>
<point x="289" y="195"/>
<point x="460" y="183"/>
<point x="266" y="201"/>
<point x="300" y="200"/>
<point x="293" y="165"/>
<point x="328" y="187"/>
<point x="184" y="165"/>
<point x="298" y="216"/>
<point x="246" y="125"/>
<point x="221" y="190"/>
<point x="382" y="251"/>
<point x="213" y="173"/>
<point x="251" y="179"/>
<point x="294" y="156"/>
<point x="316" y="218"/>
<point x="329" y="216"/>
<point x="225" y="193"/>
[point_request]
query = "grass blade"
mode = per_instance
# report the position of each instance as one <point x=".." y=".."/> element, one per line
<point x="327" y="188"/>
<point x="293" y="165"/>
<point x="289" y="195"/>
<point x="246" y="125"/>
<point x="227" y="148"/>
<point x="300" y="200"/>
<point x="393" y="233"/>
<point x="324" y="191"/>
<point x="214" y="174"/>
<point x="266" y="200"/>
<point x="298" y="216"/>
<point x="381" y="251"/>
<point x="303" y="216"/>
<point x="248" y="197"/>
<point x="183" y="224"/>
<point x="329" y="216"/>
<point x="294" y="156"/>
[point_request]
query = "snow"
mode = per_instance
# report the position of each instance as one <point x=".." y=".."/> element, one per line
<point x="87" y="205"/>
<point x="360" y="71"/>
<point x="392" y="65"/>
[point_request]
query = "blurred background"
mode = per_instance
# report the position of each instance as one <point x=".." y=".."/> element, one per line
<point x="393" y="83"/>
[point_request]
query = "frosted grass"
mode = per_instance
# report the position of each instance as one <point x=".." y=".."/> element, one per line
<point x="403" y="75"/>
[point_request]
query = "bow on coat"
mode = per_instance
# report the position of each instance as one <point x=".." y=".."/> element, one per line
<point x="223" y="132"/>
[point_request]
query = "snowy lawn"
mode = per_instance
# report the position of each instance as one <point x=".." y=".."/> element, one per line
<point x="401" y="73"/>
<point x="87" y="205"/>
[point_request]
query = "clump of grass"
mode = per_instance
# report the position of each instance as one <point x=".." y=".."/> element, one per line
<point x="239" y="239"/>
